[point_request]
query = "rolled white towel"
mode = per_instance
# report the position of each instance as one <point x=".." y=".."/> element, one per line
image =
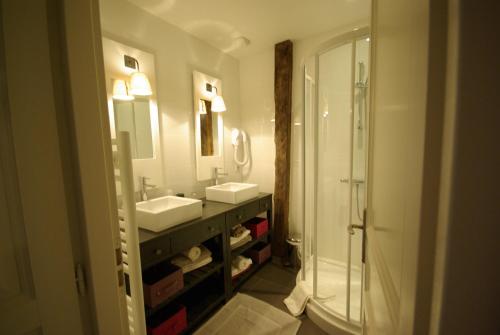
<point x="192" y="253"/>
<point x="241" y="263"/>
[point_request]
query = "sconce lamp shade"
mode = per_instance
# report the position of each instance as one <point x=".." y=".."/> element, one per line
<point x="218" y="104"/>
<point x="120" y="91"/>
<point x="139" y="84"/>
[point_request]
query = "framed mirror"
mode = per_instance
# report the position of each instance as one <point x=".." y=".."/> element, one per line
<point x="135" y="117"/>
<point x="209" y="129"/>
<point x="209" y="126"/>
<point x="137" y="114"/>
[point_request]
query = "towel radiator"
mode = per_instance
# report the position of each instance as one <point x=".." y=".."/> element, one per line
<point x="129" y="234"/>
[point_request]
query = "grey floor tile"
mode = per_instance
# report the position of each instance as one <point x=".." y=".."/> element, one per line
<point x="279" y="275"/>
<point x="273" y="284"/>
<point x="271" y="287"/>
<point x="308" y="327"/>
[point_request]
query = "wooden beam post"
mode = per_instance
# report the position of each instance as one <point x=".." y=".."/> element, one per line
<point x="283" y="68"/>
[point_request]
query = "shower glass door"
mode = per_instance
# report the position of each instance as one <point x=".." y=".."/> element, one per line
<point x="340" y="154"/>
<point x="333" y="194"/>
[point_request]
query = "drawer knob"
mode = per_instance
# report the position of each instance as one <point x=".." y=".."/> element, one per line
<point x="239" y="216"/>
<point x="211" y="229"/>
<point x="158" y="252"/>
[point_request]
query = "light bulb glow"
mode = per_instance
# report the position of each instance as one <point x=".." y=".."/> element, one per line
<point x="120" y="91"/>
<point x="218" y="104"/>
<point x="139" y="84"/>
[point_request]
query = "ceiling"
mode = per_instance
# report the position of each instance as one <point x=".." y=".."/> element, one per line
<point x="226" y="23"/>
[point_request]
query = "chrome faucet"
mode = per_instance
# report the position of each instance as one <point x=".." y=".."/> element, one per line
<point x="144" y="187"/>
<point x="218" y="174"/>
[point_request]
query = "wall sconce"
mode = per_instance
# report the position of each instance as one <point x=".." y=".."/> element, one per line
<point x="218" y="104"/>
<point x="120" y="90"/>
<point x="139" y="82"/>
<point x="202" y="108"/>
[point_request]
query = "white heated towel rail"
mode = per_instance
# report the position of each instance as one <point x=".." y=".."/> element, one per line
<point x="129" y="233"/>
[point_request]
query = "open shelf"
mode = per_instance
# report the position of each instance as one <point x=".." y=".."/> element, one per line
<point x="191" y="279"/>
<point x="247" y="274"/>
<point x="201" y="302"/>
<point x="248" y="245"/>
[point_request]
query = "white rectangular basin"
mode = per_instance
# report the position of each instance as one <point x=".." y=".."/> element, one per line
<point x="165" y="212"/>
<point x="232" y="193"/>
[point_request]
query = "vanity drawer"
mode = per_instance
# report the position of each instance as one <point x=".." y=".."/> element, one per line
<point x="243" y="213"/>
<point x="265" y="204"/>
<point x="196" y="233"/>
<point x="155" y="250"/>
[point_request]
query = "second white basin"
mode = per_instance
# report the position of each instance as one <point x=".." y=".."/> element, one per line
<point x="232" y="193"/>
<point x="165" y="212"/>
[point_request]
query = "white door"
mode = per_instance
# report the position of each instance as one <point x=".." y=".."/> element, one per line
<point x="38" y="294"/>
<point x="398" y="271"/>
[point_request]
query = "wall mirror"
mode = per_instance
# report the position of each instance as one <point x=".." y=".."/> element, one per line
<point x="134" y="117"/>
<point x="209" y="126"/>
<point x="209" y="129"/>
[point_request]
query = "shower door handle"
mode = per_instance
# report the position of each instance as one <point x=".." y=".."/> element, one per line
<point x="351" y="228"/>
<point x="361" y="227"/>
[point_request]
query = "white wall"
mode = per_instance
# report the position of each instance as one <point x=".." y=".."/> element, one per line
<point x="177" y="54"/>
<point x="257" y="117"/>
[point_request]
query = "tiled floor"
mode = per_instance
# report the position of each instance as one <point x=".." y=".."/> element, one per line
<point x="272" y="284"/>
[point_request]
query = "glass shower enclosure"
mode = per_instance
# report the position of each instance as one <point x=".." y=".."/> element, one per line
<point x="336" y="125"/>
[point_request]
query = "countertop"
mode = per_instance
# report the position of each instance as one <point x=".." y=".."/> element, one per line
<point x="211" y="209"/>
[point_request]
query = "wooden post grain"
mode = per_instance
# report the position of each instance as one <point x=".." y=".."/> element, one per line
<point x="283" y="68"/>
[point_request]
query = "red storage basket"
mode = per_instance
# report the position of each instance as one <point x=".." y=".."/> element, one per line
<point x="257" y="227"/>
<point x="160" y="283"/>
<point x="260" y="252"/>
<point x="174" y="323"/>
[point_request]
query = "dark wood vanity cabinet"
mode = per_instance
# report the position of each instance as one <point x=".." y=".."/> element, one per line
<point x="210" y="286"/>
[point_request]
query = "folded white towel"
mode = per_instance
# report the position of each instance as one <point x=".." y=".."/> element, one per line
<point x="241" y="262"/>
<point x="187" y="264"/>
<point x="241" y="242"/>
<point x="192" y="253"/>
<point x="297" y="300"/>
<point x="234" y="240"/>
<point x="198" y="264"/>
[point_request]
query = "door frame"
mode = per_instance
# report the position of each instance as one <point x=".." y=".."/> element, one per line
<point x="87" y="89"/>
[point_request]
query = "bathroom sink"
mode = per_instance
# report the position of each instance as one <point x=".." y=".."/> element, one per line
<point x="232" y="193"/>
<point x="165" y="212"/>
